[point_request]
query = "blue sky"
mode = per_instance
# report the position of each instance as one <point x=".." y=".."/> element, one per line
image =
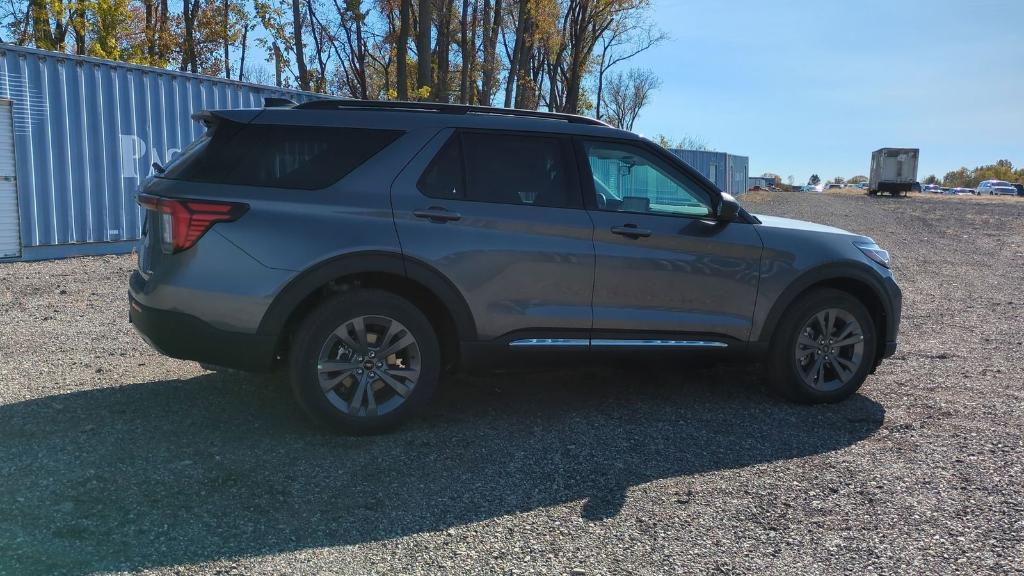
<point x="804" y="86"/>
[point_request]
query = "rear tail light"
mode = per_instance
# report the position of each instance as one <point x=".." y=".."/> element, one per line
<point x="183" y="222"/>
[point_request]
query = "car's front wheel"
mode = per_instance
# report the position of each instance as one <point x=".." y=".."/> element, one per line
<point x="362" y="361"/>
<point x="824" y="348"/>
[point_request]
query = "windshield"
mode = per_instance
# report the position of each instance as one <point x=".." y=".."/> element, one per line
<point x="999" y="183"/>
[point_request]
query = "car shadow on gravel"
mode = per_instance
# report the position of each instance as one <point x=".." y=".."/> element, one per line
<point x="222" y="466"/>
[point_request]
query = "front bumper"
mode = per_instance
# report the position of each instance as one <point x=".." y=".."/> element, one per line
<point x="890" y="349"/>
<point x="186" y="337"/>
<point x="893" y="312"/>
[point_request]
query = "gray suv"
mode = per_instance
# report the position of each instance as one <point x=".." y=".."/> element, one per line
<point x="366" y="248"/>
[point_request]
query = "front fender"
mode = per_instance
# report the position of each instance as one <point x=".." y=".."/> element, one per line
<point x="883" y="288"/>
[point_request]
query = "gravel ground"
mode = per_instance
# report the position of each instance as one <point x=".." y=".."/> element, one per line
<point x="114" y="459"/>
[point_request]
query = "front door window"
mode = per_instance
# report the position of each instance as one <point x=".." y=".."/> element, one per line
<point x="628" y="178"/>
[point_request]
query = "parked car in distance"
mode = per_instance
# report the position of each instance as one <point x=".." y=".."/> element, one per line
<point x="997" y="188"/>
<point x="932" y="188"/>
<point x="834" y="186"/>
<point x="366" y="248"/>
<point x="958" y="191"/>
<point x="1020" y="188"/>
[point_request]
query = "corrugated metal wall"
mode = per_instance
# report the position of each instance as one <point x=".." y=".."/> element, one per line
<point x="88" y="130"/>
<point x="727" y="171"/>
<point x="739" y="170"/>
<point x="761" y="181"/>
<point x="710" y="164"/>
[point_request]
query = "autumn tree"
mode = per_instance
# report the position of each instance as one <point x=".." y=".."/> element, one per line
<point x="424" y="78"/>
<point x="402" y="49"/>
<point x="549" y="54"/>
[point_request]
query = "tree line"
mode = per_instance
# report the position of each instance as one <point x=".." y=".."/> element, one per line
<point x="970" y="178"/>
<point x="567" y="56"/>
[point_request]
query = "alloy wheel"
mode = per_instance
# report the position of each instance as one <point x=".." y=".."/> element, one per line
<point x="829" y="350"/>
<point x="369" y="366"/>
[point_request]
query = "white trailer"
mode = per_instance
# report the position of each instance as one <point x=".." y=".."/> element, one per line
<point x="893" y="170"/>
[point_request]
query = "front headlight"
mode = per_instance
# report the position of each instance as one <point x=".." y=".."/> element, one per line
<point x="873" y="252"/>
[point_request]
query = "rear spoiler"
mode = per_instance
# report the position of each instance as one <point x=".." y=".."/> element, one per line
<point x="210" y="117"/>
<point x="272" y="102"/>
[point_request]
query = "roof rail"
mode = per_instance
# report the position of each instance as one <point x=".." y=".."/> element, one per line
<point x="443" y="108"/>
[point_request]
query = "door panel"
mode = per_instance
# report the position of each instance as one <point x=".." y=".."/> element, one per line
<point x="688" y="275"/>
<point x="663" y="265"/>
<point x="519" y="266"/>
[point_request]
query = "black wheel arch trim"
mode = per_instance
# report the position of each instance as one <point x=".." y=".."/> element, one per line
<point x="394" y="263"/>
<point x="828" y="272"/>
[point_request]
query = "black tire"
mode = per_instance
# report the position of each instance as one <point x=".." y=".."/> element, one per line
<point x="313" y="336"/>
<point x="784" y="374"/>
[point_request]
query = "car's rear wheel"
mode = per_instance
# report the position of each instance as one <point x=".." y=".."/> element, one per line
<point x="824" y="349"/>
<point x="361" y="362"/>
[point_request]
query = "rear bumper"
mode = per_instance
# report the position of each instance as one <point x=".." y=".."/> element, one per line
<point x="186" y="337"/>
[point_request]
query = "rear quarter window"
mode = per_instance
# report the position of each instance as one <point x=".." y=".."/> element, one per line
<point x="278" y="156"/>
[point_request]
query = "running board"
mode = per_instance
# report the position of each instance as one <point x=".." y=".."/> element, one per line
<point x="607" y="343"/>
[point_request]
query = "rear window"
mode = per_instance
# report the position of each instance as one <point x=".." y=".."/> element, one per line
<point x="278" y="156"/>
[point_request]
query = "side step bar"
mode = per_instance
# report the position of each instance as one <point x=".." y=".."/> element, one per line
<point x="621" y="343"/>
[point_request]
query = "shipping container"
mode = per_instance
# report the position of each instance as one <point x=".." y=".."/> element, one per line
<point x="78" y="134"/>
<point x="893" y="170"/>
<point x="727" y="171"/>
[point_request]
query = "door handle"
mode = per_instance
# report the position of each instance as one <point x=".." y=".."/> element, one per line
<point x="437" y="214"/>
<point x="631" y="230"/>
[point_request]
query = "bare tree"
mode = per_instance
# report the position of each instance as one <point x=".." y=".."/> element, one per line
<point x="257" y="75"/>
<point x="688" y="142"/>
<point x="354" y="55"/>
<point x="624" y="39"/>
<point x="628" y="94"/>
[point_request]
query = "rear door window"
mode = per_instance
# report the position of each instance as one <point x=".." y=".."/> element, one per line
<point x="501" y="168"/>
<point x="278" y="156"/>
